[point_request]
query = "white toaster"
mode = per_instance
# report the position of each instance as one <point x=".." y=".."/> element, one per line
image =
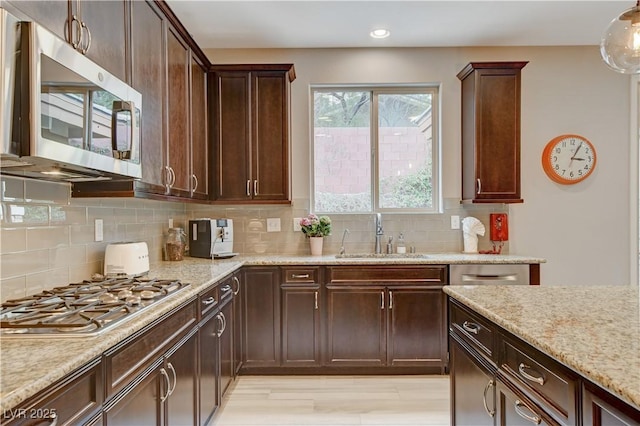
<point x="130" y="259"/>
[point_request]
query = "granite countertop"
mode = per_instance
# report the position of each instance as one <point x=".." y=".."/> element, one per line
<point x="28" y="365"/>
<point x="593" y="330"/>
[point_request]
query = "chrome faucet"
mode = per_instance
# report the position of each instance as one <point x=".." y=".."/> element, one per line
<point x="344" y="235"/>
<point x="379" y="233"/>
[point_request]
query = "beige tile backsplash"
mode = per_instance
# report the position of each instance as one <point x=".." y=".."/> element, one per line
<point x="47" y="237"/>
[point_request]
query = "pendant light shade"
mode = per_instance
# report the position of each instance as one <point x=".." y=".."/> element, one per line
<point x="620" y="45"/>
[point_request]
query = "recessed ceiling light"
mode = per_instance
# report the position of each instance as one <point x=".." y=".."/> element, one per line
<point x="380" y="33"/>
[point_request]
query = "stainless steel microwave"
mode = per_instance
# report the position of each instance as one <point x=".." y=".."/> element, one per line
<point x="63" y="117"/>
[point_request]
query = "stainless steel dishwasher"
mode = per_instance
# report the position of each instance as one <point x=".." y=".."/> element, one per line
<point x="474" y="274"/>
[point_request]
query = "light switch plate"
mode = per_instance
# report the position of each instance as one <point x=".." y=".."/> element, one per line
<point x="455" y="222"/>
<point x="273" y="224"/>
<point x="296" y="224"/>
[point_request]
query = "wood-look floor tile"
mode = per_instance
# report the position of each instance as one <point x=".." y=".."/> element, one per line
<point x="336" y="401"/>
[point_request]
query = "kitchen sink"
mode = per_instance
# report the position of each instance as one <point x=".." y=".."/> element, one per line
<point x="381" y="256"/>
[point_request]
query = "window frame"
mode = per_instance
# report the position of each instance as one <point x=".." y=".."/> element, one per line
<point x="375" y="90"/>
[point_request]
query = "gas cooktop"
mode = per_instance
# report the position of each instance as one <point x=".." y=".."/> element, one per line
<point x="83" y="309"/>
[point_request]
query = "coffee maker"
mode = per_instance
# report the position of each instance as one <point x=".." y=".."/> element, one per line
<point x="211" y="238"/>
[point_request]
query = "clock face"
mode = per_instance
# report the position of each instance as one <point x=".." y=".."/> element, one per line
<point x="568" y="159"/>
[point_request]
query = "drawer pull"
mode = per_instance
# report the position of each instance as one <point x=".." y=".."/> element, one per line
<point x="492" y="412"/>
<point x="471" y="327"/>
<point x="166" y="377"/>
<point x="315" y="296"/>
<point x="209" y="300"/>
<point x="533" y="418"/>
<point x="237" y="281"/>
<point x="523" y="373"/>
<point x="299" y="276"/>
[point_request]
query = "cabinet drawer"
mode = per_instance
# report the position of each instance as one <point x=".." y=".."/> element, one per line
<point x="208" y="301"/>
<point x="546" y="381"/>
<point x="128" y="359"/>
<point x="474" y="329"/>
<point x="433" y="274"/>
<point x="300" y="275"/>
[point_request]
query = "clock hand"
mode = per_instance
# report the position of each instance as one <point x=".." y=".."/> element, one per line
<point x="578" y="159"/>
<point x="576" y="151"/>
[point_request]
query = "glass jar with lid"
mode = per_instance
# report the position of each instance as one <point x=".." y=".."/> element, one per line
<point x="174" y="245"/>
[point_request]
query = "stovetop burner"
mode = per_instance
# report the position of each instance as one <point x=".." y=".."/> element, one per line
<point x="82" y="309"/>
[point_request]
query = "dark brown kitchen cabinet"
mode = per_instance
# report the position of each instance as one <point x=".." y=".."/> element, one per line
<point x="261" y="317"/>
<point x="181" y="364"/>
<point x="100" y="28"/>
<point x="301" y="315"/>
<point x="238" y="320"/>
<point x="76" y="399"/>
<point x="250" y="109"/>
<point x="199" y="184"/>
<point x="514" y="409"/>
<point x="387" y="316"/>
<point x="601" y="409"/>
<point x="473" y="387"/>
<point x="209" y="366"/>
<point x="491" y="132"/>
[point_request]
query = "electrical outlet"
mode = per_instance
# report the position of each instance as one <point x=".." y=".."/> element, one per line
<point x="296" y="224"/>
<point x="455" y="222"/>
<point x="273" y="224"/>
<point x="170" y="222"/>
<point x="99" y="230"/>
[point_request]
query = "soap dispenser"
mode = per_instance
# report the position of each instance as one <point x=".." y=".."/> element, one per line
<point x="400" y="245"/>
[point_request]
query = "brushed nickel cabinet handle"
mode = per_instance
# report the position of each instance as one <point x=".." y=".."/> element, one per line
<point x="175" y="378"/>
<point x="299" y="276"/>
<point x="539" y="379"/>
<point x="390" y="300"/>
<point x="208" y="300"/>
<point x="255" y="187"/>
<point x="315" y="295"/>
<point x="221" y="321"/>
<point x="491" y="412"/>
<point x="237" y="281"/>
<point x="478" y="186"/>
<point x="471" y="327"/>
<point x="248" y="187"/>
<point x="166" y="376"/>
<point x="75" y="43"/>
<point x="87" y="46"/>
<point x="533" y="418"/>
<point x="382" y="300"/>
<point x="194" y="178"/>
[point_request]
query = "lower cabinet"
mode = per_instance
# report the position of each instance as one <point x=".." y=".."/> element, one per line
<point x="238" y="320"/>
<point x="473" y="388"/>
<point x="515" y="410"/>
<point x="600" y="408"/>
<point x="261" y="317"/>
<point x="165" y="394"/>
<point x="225" y="344"/>
<point x="209" y="362"/>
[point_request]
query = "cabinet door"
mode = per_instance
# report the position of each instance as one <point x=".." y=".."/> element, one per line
<point x="199" y="131"/>
<point x="226" y="347"/>
<point x="300" y="325"/>
<point x="178" y="61"/>
<point x="148" y="77"/>
<point x="491" y="132"/>
<point x="106" y="25"/>
<point x="356" y="332"/>
<point x="238" y="318"/>
<point x="261" y="325"/>
<point x="53" y="15"/>
<point x="601" y="409"/>
<point x="270" y="138"/>
<point x="232" y="153"/>
<point x="472" y="389"/>
<point x="417" y="327"/>
<point x="141" y="405"/>
<point x="208" y="377"/>
<point x="181" y="364"/>
<point x="515" y="410"/>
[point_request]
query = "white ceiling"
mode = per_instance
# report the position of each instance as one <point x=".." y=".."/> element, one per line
<point x="427" y="23"/>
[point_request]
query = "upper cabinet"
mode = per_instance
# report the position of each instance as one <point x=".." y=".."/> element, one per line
<point x="251" y="126"/>
<point x="98" y="29"/>
<point x="491" y="132"/>
<point x="170" y="72"/>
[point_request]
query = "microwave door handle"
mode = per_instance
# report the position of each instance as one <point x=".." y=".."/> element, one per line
<point x="120" y="106"/>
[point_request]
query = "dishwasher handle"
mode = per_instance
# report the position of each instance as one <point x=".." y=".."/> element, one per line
<point x="466" y="278"/>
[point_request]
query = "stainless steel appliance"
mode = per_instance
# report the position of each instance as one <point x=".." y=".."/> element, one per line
<point x="471" y="274"/>
<point x="83" y="309"/>
<point x="63" y="116"/>
<point x="211" y="238"/>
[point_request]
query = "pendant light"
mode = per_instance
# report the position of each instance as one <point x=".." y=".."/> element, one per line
<point x="620" y="45"/>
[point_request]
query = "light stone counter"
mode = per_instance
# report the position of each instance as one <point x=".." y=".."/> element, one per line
<point x="28" y="365"/>
<point x="594" y="331"/>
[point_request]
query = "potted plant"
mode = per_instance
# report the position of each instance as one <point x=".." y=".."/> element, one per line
<point x="316" y="228"/>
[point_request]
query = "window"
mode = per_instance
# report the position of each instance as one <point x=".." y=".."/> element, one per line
<point x="375" y="149"/>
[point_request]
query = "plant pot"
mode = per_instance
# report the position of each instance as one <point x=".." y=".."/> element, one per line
<point x="316" y="245"/>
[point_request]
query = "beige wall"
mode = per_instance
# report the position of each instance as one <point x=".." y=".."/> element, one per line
<point x="582" y="230"/>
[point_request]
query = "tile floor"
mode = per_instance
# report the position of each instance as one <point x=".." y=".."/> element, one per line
<point x="336" y="400"/>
